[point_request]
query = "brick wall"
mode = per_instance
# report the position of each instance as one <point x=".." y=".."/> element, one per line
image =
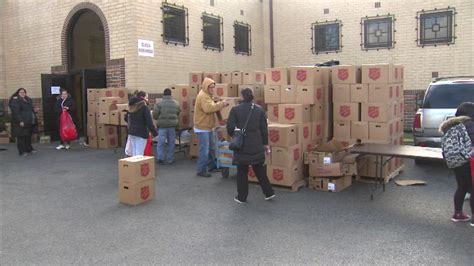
<point x="116" y="73"/>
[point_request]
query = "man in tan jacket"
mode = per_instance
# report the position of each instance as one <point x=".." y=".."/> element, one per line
<point x="204" y="123"/>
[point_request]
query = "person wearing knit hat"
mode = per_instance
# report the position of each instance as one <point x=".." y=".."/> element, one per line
<point x="204" y="122"/>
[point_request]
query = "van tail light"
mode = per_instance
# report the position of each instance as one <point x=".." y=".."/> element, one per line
<point x="417" y="123"/>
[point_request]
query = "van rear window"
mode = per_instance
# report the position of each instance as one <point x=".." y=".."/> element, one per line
<point x="448" y="96"/>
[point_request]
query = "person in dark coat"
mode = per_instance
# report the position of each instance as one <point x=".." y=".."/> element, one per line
<point x="64" y="102"/>
<point x="254" y="147"/>
<point x="140" y="124"/>
<point x="23" y="121"/>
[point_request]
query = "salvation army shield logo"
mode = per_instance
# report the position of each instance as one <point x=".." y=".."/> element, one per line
<point x="306" y="132"/>
<point x="301" y="75"/>
<point x="374" y="73"/>
<point x="289" y="113"/>
<point x="144" y="169"/>
<point x="319" y="94"/>
<point x="144" y="192"/>
<point x="220" y="91"/>
<point x="275" y="111"/>
<point x="195" y="78"/>
<point x="343" y="73"/>
<point x="185" y="105"/>
<point x="121" y="94"/>
<point x="373" y="111"/>
<point x="184" y="93"/>
<point x="318" y="130"/>
<point x="108" y="93"/>
<point x="274" y="135"/>
<point x="397" y="93"/>
<point x="110" y="130"/>
<point x="345" y="110"/>
<point x="277" y="174"/>
<point x="276" y="75"/>
<point x="309" y="147"/>
<point x="185" y="120"/>
<point x="258" y="77"/>
<point x="112" y="141"/>
<point x="296" y="154"/>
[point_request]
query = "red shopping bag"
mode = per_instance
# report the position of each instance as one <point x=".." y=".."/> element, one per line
<point x="472" y="171"/>
<point x="67" y="129"/>
<point x="148" y="147"/>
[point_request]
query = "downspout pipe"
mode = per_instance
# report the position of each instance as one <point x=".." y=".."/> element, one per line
<point x="272" y="48"/>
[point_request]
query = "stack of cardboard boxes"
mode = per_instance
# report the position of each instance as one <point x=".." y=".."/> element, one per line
<point x="185" y="95"/>
<point x="136" y="179"/>
<point x="295" y="99"/>
<point x="106" y="110"/>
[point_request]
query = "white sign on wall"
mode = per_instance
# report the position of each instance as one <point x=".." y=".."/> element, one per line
<point x="145" y="48"/>
<point x="55" y="89"/>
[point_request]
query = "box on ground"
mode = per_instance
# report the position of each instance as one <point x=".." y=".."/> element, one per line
<point x="346" y="74"/>
<point x="346" y="111"/>
<point x="107" y="142"/>
<point x="282" y="135"/>
<point x="305" y="75"/>
<point x="284" y="176"/>
<point x="294" y="113"/>
<point x="137" y="192"/>
<point x="325" y="170"/>
<point x="285" y="157"/>
<point x="330" y="184"/>
<point x="103" y="130"/>
<point x="277" y="76"/>
<point x="92" y="129"/>
<point x="136" y="169"/>
<point x="93" y="142"/>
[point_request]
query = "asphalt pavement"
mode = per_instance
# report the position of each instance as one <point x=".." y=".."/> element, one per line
<point x="61" y="207"/>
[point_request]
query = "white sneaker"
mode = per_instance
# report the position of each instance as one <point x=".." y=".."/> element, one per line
<point x="60" y="147"/>
<point x="68" y="147"/>
<point x="270" y="197"/>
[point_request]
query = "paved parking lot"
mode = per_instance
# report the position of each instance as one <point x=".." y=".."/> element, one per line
<point x="60" y="207"/>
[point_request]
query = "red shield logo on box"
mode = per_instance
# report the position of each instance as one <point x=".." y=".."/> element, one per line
<point x="373" y="111"/>
<point x="390" y="92"/>
<point x="309" y="147"/>
<point x="301" y="75"/>
<point x="398" y="91"/>
<point x="108" y="93"/>
<point x="185" y="105"/>
<point x="397" y="126"/>
<point x="276" y="75"/>
<point x="343" y="73"/>
<point x="374" y="73"/>
<point x="220" y="91"/>
<point x="296" y="154"/>
<point x="289" y="113"/>
<point x="318" y="130"/>
<point x="144" y="169"/>
<point x="319" y="93"/>
<point x="274" y="135"/>
<point x="184" y="93"/>
<point x="121" y="94"/>
<point x="277" y="174"/>
<point x="306" y="132"/>
<point x="275" y="111"/>
<point x="110" y="130"/>
<point x="185" y="120"/>
<point x="258" y="77"/>
<point x="144" y="192"/>
<point x="396" y="73"/>
<point x="112" y="141"/>
<point x="395" y="109"/>
<point x="195" y="78"/>
<point x="345" y="110"/>
<point x="251" y="172"/>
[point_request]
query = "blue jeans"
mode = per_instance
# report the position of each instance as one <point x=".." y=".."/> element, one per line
<point x="166" y="135"/>
<point x="138" y="145"/>
<point x="206" y="152"/>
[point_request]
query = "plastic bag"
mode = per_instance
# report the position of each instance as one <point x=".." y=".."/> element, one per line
<point x="472" y="171"/>
<point x="148" y="149"/>
<point x="67" y="129"/>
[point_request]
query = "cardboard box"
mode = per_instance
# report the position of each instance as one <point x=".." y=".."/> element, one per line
<point x="103" y="117"/>
<point x="282" y="135"/>
<point x="225" y="90"/>
<point x="233" y="101"/>
<point x="398" y="90"/>
<point x="330" y="184"/>
<point x="317" y="113"/>
<point x="359" y="93"/>
<point x="272" y="112"/>
<point x="342" y="129"/>
<point x="325" y="170"/>
<point x="216" y="76"/>
<point x="182" y="91"/>
<point x="256" y="89"/>
<point x="381" y="131"/>
<point x="284" y="176"/>
<point x="399" y="73"/>
<point x="122" y="107"/>
<point x="91" y="118"/>
<point x="346" y="111"/>
<point x="226" y="77"/>
<point x="367" y="166"/>
<point x="306" y="76"/>
<point x="122" y="94"/>
<point x="93" y="142"/>
<point x="277" y="76"/>
<point x="91" y="130"/>
<point x="136" y="193"/>
<point x="341" y="93"/>
<point x="92" y="106"/>
<point x="194" y="149"/>
<point x="115" y="117"/>
<point x="305" y="132"/>
<point x="359" y="130"/>
<point x="309" y="145"/>
<point x="346" y="74"/>
<point x="91" y="95"/>
<point x="107" y="142"/>
<point x="122" y="118"/>
<point x="289" y="156"/>
<point x="380" y="93"/>
<point x="253" y="77"/>
<point x="350" y="164"/>
<point x="294" y="113"/>
<point x="107" y="104"/>
<point x="379" y="73"/>
<point x="136" y="169"/>
<point x="4" y="139"/>
<point x="104" y="92"/>
<point x="195" y="78"/>
<point x="309" y="94"/>
<point x="327" y="153"/>
<point x="104" y="131"/>
<point x="376" y="112"/>
<point x="288" y="94"/>
<point x="184" y="120"/>
<point x="317" y="131"/>
<point x="272" y="93"/>
<point x="237" y="77"/>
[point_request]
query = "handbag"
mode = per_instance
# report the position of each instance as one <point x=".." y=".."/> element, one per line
<point x="237" y="140"/>
<point x="148" y="148"/>
<point x="67" y="130"/>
